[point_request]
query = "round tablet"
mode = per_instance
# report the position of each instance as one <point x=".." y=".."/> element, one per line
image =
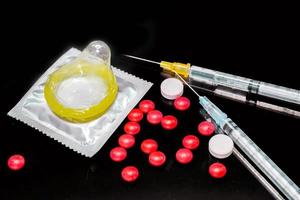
<point x="217" y="170"/>
<point x="126" y="141"/>
<point x="171" y="88"/>
<point x="190" y="142"/>
<point x="169" y="122"/>
<point x="220" y="146"/>
<point x="149" y="145"/>
<point x="16" y="162"/>
<point x="130" y="174"/>
<point x="206" y="128"/>
<point x="135" y="115"/>
<point x="132" y="128"/>
<point x="146" y="106"/>
<point x="154" y="117"/>
<point x="182" y="103"/>
<point x="118" y="154"/>
<point x="184" y="156"/>
<point x="157" y="158"/>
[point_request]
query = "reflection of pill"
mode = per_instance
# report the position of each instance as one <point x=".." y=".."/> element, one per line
<point x="130" y="173"/>
<point x="171" y="88"/>
<point x="135" y="115"/>
<point x="146" y="106"/>
<point x="16" y="162"/>
<point x="220" y="146"/>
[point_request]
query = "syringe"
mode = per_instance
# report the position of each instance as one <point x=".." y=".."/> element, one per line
<point x="260" y="94"/>
<point x="259" y="158"/>
<point x="268" y="186"/>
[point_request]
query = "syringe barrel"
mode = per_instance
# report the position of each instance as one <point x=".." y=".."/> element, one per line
<point x="263" y="162"/>
<point x="213" y="79"/>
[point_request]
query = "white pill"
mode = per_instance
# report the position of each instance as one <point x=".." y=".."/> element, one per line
<point x="171" y="88"/>
<point x="220" y="146"/>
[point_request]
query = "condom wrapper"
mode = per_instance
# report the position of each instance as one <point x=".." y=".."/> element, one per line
<point x="85" y="138"/>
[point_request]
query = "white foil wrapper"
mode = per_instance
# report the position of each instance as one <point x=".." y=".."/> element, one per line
<point x="84" y="138"/>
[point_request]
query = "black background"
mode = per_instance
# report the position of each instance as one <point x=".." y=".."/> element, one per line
<point x="259" y="42"/>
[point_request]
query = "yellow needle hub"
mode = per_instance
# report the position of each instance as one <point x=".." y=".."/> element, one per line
<point x="180" y="68"/>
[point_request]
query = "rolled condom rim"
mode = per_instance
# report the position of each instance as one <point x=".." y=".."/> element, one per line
<point x="79" y="115"/>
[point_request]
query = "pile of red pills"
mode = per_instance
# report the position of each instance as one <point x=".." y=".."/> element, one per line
<point x="150" y="147"/>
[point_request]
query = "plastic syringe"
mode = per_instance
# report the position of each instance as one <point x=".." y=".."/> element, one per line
<point x="259" y="158"/>
<point x="268" y="186"/>
<point x="260" y="94"/>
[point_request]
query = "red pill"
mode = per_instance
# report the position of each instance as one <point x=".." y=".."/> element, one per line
<point x="130" y="173"/>
<point x="184" y="156"/>
<point x="182" y="103"/>
<point x="126" y="141"/>
<point x="135" y="115"/>
<point x="154" y="117"/>
<point x="217" y="170"/>
<point x="190" y="142"/>
<point x="157" y="158"/>
<point x="118" y="154"/>
<point x="16" y="162"/>
<point x="146" y="106"/>
<point x="149" y="146"/>
<point x="169" y="122"/>
<point x="132" y="128"/>
<point x="206" y="128"/>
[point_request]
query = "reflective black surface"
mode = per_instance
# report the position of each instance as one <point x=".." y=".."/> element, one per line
<point x="259" y="45"/>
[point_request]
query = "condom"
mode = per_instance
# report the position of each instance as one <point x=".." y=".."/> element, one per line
<point x="85" y="88"/>
<point x="81" y="99"/>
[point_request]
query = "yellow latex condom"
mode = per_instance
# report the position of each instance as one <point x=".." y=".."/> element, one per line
<point x="82" y="90"/>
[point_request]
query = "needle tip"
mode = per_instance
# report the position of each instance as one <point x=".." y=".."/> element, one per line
<point x="142" y="59"/>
